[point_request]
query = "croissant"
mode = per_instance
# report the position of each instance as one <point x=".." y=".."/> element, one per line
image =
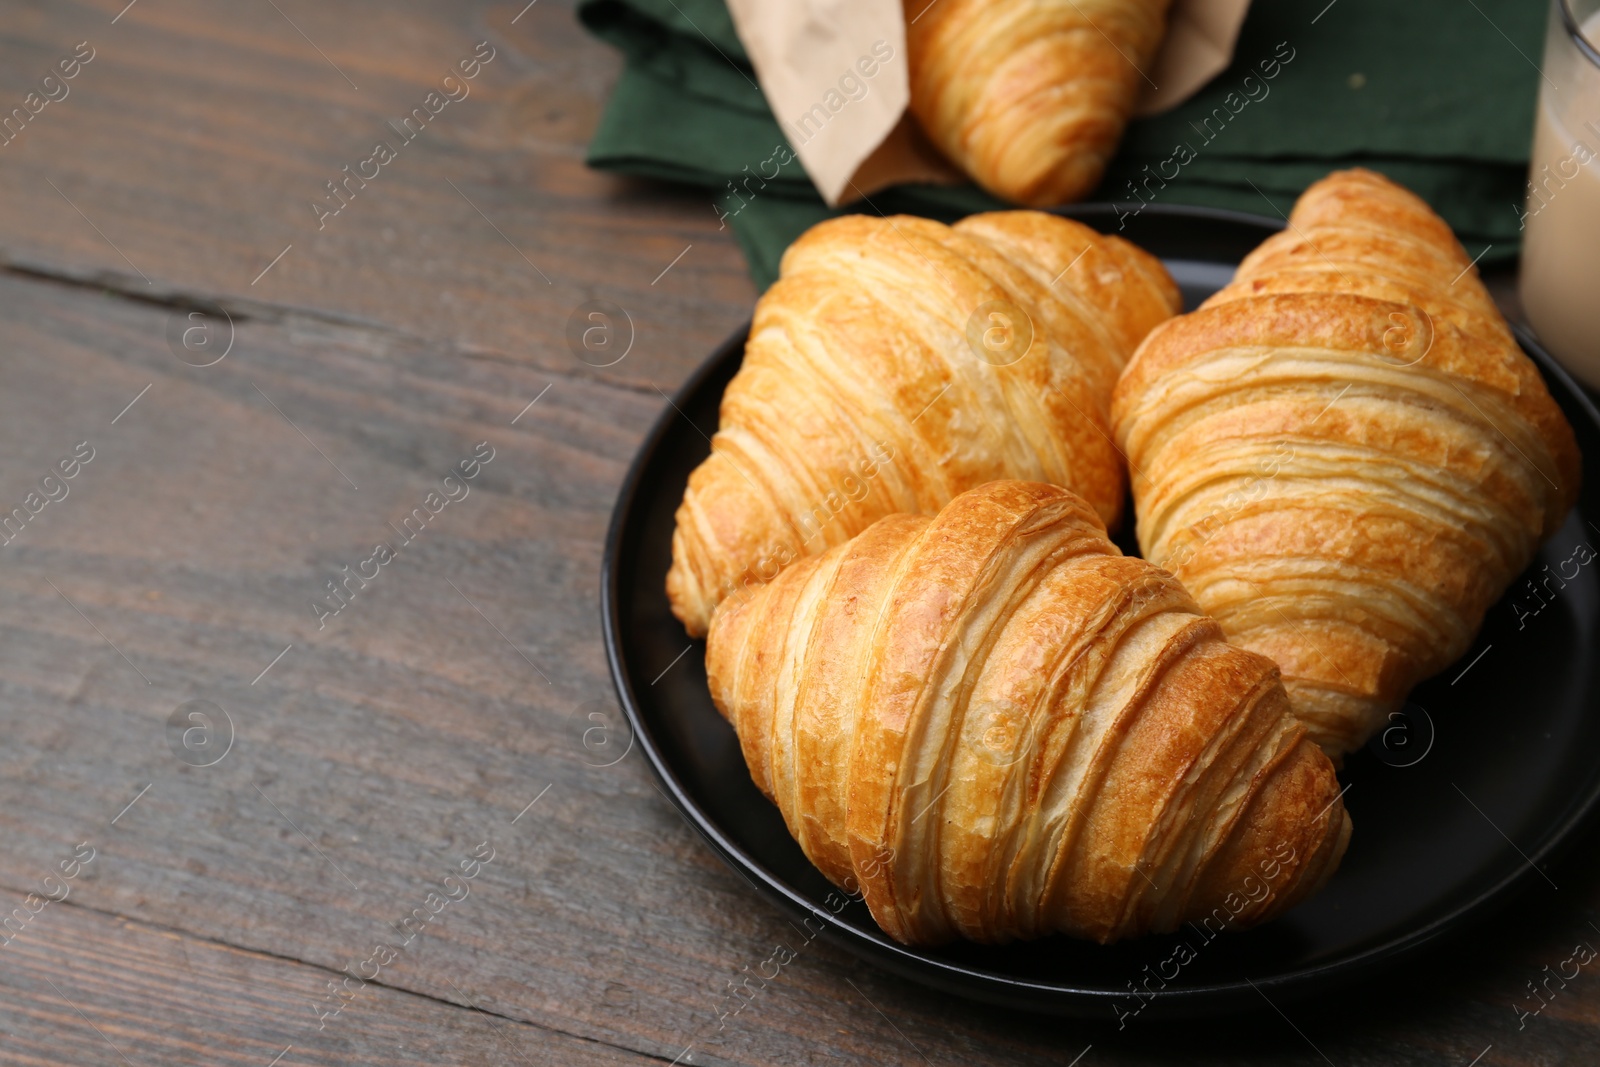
<point x="1344" y="454"/>
<point x="1030" y="97"/>
<point x="898" y="362"/>
<point x="993" y="725"/>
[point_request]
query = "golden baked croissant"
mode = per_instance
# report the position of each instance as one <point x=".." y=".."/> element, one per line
<point x="1030" y="97"/>
<point x="995" y="726"/>
<point x="898" y="362"/>
<point x="1344" y="454"/>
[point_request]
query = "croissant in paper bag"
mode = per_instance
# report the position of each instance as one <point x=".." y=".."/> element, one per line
<point x="1344" y="454"/>
<point x="898" y="362"/>
<point x="1030" y="97"/>
<point x="996" y="726"/>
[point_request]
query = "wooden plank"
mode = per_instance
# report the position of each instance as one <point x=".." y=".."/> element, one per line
<point x="86" y="988"/>
<point x="187" y="153"/>
<point x="385" y="747"/>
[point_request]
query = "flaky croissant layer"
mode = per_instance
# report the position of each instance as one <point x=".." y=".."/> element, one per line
<point x="1344" y="454"/>
<point x="1030" y="97"/>
<point x="898" y="362"/>
<point x="995" y="726"/>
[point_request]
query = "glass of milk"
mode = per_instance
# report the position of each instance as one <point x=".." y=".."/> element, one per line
<point x="1561" y="242"/>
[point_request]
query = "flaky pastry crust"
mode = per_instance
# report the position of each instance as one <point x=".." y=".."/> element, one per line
<point x="1344" y="454"/>
<point x="890" y="368"/>
<point x="995" y="726"/>
<point x="1030" y="97"/>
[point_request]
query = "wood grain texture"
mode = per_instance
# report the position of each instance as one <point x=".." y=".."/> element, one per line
<point x="380" y="750"/>
<point x="196" y="142"/>
<point x="93" y="988"/>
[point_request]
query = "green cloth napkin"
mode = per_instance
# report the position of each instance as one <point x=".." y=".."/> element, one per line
<point x="1437" y="94"/>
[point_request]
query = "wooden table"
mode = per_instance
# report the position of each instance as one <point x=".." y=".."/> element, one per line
<point x="246" y="864"/>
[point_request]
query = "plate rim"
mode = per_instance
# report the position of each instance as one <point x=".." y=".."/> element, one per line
<point x="1051" y="998"/>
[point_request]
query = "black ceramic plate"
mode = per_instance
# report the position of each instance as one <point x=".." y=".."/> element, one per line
<point x="1459" y="804"/>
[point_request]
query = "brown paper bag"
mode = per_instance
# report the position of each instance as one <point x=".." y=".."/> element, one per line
<point x="834" y="73"/>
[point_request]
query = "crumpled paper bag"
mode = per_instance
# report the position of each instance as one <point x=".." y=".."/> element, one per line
<point x="834" y="73"/>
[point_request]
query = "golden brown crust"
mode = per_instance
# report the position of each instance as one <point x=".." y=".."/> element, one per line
<point x="1344" y="454"/>
<point x="1030" y="97"/>
<point x="995" y="726"/>
<point x="862" y="393"/>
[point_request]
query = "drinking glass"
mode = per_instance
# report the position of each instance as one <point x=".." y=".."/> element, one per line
<point x="1560" y="283"/>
